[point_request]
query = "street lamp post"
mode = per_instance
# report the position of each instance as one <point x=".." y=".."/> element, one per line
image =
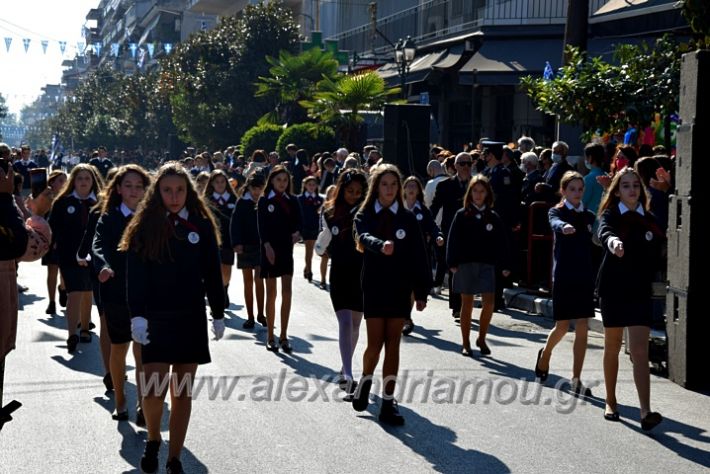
<point x="404" y="52"/>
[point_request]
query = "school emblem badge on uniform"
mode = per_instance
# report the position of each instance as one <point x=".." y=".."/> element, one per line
<point x="71" y="210"/>
<point x="489" y="227"/>
<point x="230" y="205"/>
<point x="649" y="235"/>
<point x="478" y="216"/>
<point x="420" y="217"/>
<point x="193" y="237"/>
<point x="335" y="230"/>
<point x="271" y="208"/>
<point x="401" y="234"/>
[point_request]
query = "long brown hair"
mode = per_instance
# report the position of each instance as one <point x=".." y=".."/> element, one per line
<point x="110" y="199"/>
<point x="567" y="178"/>
<point x="69" y="186"/>
<point x="611" y="199"/>
<point x="276" y="170"/>
<point x="420" y="188"/>
<point x="209" y="188"/>
<point x="332" y="206"/>
<point x="373" y="189"/>
<point x="149" y="232"/>
<point x="483" y="181"/>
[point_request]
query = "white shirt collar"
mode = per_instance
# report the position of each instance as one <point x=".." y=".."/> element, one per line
<point x="311" y="195"/>
<point x="480" y="209"/>
<point x="90" y="196"/>
<point x="394" y="207"/>
<point x="183" y="213"/>
<point x="247" y="195"/>
<point x="569" y="206"/>
<point x="272" y="193"/>
<point x="623" y="209"/>
<point x="415" y="206"/>
<point x="224" y="196"/>
<point x="125" y="210"/>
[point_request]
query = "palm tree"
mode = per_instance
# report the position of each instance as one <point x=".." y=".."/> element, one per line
<point x="340" y="102"/>
<point x="294" y="78"/>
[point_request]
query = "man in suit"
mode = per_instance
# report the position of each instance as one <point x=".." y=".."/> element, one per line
<point x="557" y="170"/>
<point x="23" y="167"/>
<point x="102" y="161"/>
<point x="448" y="198"/>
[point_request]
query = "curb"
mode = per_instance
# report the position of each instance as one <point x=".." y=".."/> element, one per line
<point x="520" y="299"/>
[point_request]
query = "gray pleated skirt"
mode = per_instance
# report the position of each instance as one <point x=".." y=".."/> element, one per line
<point x="475" y="278"/>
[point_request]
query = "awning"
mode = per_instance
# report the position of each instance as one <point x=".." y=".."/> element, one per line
<point x="452" y="58"/>
<point x="504" y="62"/>
<point x="149" y="28"/>
<point x="419" y="70"/>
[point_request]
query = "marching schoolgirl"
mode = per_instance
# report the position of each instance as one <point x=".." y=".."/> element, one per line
<point x="329" y="193"/>
<point x="414" y="201"/>
<point x="394" y="267"/>
<point x="477" y="245"/>
<point x="69" y="219"/>
<point x="221" y="196"/>
<point x="346" y="267"/>
<point x="245" y="241"/>
<point x="310" y="202"/>
<point x="279" y="218"/>
<point x="55" y="181"/>
<point x="172" y="261"/>
<point x="573" y="277"/>
<point x="122" y="195"/>
<point x="632" y="241"/>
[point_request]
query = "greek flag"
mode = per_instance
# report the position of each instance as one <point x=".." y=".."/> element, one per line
<point x="56" y="145"/>
<point x="548" y="73"/>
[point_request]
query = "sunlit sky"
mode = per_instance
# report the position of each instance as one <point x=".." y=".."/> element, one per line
<point x="22" y="75"/>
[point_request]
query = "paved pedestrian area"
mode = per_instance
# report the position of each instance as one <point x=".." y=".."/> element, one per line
<point x="284" y="413"/>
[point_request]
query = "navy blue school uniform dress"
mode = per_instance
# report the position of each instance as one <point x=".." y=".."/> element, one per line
<point x="625" y="285"/>
<point x="171" y="294"/>
<point x="345" y="260"/>
<point x="244" y="231"/>
<point x="279" y="217"/>
<point x="109" y="230"/>
<point x="224" y="205"/>
<point x="69" y="220"/>
<point x="477" y="245"/>
<point x="86" y="252"/>
<point x="389" y="280"/>
<point x="573" y="271"/>
<point x="310" y="213"/>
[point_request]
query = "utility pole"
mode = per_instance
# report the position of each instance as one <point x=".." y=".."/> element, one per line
<point x="373" y="23"/>
<point x="317" y="15"/>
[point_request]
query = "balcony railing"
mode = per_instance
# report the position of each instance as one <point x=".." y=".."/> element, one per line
<point x="442" y="18"/>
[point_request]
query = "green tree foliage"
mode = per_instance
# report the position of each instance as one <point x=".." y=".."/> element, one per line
<point x="603" y="96"/>
<point x="210" y="77"/>
<point x="260" y="137"/>
<point x="293" y="78"/>
<point x="3" y="108"/>
<point x="340" y="101"/>
<point x="312" y="137"/>
<point x="697" y="12"/>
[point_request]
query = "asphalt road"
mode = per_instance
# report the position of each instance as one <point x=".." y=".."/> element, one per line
<point x="284" y="413"/>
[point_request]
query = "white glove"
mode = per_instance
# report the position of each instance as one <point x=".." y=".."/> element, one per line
<point x="139" y="330"/>
<point x="568" y="229"/>
<point x="616" y="246"/>
<point x="218" y="328"/>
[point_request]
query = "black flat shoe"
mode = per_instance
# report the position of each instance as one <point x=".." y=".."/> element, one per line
<point x="539" y="373"/>
<point x="611" y="415"/>
<point x="322" y="285"/>
<point x="578" y="389"/>
<point x="483" y="347"/>
<point x="466" y="352"/>
<point x="261" y="319"/>
<point x="389" y="413"/>
<point x="248" y="324"/>
<point x="350" y="389"/>
<point x="362" y="393"/>
<point x="62" y="297"/>
<point x="285" y="345"/>
<point x="72" y="342"/>
<point x="140" y="417"/>
<point x="84" y="336"/>
<point x="271" y="346"/>
<point x="149" y="461"/>
<point x="174" y="466"/>
<point x="51" y="308"/>
<point x="108" y="382"/>
<point x="120" y="415"/>
<point x="408" y="327"/>
<point x="651" y="420"/>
